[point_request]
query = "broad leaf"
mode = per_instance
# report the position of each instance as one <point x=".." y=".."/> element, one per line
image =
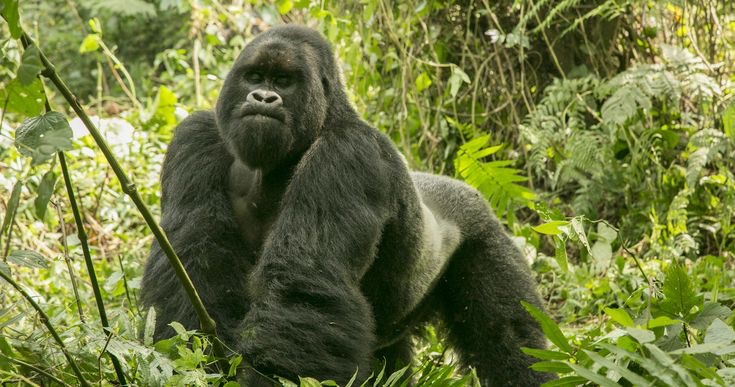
<point x="41" y="137"/>
<point x="679" y="297"/>
<point x="423" y="81"/>
<point x="551" y="228"/>
<point x="719" y="333"/>
<point x="620" y="316"/>
<point x="26" y="100"/>
<point x="710" y="311"/>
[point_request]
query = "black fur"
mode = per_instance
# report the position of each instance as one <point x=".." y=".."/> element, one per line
<point x="307" y="237"/>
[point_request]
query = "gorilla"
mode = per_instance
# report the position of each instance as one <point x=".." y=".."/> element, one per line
<point x="312" y="245"/>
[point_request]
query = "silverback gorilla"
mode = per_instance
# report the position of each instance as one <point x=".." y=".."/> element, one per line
<point x="312" y="245"/>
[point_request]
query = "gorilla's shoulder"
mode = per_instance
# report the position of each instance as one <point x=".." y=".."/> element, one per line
<point x="197" y="131"/>
<point x="197" y="144"/>
<point x="197" y="122"/>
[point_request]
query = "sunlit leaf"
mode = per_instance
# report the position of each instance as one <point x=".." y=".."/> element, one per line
<point x="90" y="43"/>
<point x="27" y="100"/>
<point x="284" y="6"/>
<point x="423" y="81"/>
<point x="620" y="316"/>
<point x="551" y="228"/>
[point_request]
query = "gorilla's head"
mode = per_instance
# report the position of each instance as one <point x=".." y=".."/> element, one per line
<point x="278" y="96"/>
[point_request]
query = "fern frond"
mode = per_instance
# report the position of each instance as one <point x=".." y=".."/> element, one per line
<point x="494" y="179"/>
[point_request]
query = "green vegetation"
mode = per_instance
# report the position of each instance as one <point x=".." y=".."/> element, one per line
<point x="602" y="133"/>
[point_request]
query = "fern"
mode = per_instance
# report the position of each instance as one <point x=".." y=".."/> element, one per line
<point x="707" y="144"/>
<point x="494" y="179"/>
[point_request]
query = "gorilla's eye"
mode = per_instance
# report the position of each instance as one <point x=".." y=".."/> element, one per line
<point x="283" y="81"/>
<point x="254" y="77"/>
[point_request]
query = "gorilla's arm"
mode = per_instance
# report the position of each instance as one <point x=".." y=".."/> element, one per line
<point x="309" y="316"/>
<point x="197" y="217"/>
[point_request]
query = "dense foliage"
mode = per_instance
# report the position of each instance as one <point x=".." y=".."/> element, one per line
<point x="602" y="132"/>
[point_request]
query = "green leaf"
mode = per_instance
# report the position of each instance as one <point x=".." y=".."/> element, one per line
<point x="12" y="17"/>
<point x="567" y="381"/>
<point x="641" y="335"/>
<point x="12" y="206"/>
<point x="669" y="364"/>
<point x="41" y="137"/>
<point x="284" y="6"/>
<point x="308" y="382"/>
<point x="150" y="326"/>
<point x="456" y="79"/>
<point x="558" y="367"/>
<point x="691" y="363"/>
<point x="710" y="311"/>
<point x="26" y="100"/>
<point x="719" y="333"/>
<point x="423" y="81"/>
<point x="551" y="330"/>
<point x="620" y="316"/>
<point x="545" y="354"/>
<point x="28" y="258"/>
<point x="91" y="43"/>
<point x="30" y="65"/>
<point x="578" y="229"/>
<point x="679" y="297"/>
<point x="661" y="321"/>
<point x="95" y="26"/>
<point x="180" y="330"/>
<point x="551" y="228"/>
<point x="45" y="190"/>
<point x="632" y="377"/>
<point x="560" y="254"/>
<point x="593" y="376"/>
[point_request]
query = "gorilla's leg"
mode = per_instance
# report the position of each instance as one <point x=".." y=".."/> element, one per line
<point x="481" y="293"/>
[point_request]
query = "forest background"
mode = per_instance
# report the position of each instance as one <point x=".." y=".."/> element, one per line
<point x="601" y="132"/>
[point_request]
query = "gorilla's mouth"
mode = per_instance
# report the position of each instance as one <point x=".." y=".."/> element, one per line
<point x="259" y="112"/>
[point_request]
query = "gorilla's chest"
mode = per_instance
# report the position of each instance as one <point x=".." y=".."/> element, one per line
<point x="254" y="204"/>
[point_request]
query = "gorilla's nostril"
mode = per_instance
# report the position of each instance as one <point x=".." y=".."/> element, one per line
<point x="266" y="97"/>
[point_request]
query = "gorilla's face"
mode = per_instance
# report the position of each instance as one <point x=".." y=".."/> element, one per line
<point x="273" y="103"/>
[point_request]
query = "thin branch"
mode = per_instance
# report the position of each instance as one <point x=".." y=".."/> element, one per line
<point x="207" y="324"/>
<point x="82" y="234"/>
<point x="67" y="259"/>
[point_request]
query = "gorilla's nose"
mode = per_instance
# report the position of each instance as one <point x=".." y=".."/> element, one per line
<point x="265" y="97"/>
